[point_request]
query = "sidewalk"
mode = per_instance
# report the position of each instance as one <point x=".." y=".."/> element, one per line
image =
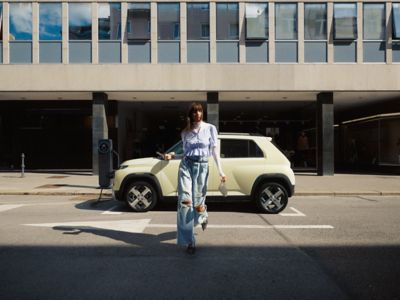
<point x="81" y="183"/>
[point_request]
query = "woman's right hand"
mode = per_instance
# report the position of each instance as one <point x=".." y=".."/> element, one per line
<point x="168" y="156"/>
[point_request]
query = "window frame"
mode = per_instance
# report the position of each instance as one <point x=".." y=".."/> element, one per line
<point x="355" y="37"/>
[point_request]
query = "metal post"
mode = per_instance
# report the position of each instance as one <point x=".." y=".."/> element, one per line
<point x="22" y="165"/>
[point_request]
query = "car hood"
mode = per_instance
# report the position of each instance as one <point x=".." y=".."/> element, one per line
<point x="146" y="161"/>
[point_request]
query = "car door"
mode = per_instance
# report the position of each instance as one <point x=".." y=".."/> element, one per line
<point x="241" y="160"/>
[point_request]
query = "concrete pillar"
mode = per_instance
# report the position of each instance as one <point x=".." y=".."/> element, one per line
<point x="124" y="35"/>
<point x="65" y="34"/>
<point x="271" y="36"/>
<point x="300" y="36"/>
<point x="183" y="43"/>
<point x="330" y="33"/>
<point x="35" y="33"/>
<point x="389" y="40"/>
<point x="242" y="33"/>
<point x="360" y="44"/>
<point x="213" y="32"/>
<point x="6" y="33"/>
<point x="213" y="108"/>
<point x="99" y="126"/>
<point x="325" y="134"/>
<point x="154" y="32"/>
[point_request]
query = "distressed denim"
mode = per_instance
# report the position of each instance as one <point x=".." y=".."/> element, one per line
<point x="192" y="186"/>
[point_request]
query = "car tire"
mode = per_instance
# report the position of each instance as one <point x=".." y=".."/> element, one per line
<point x="271" y="198"/>
<point x="140" y="196"/>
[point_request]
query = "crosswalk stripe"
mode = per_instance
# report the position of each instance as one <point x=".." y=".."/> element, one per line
<point x="4" y="207"/>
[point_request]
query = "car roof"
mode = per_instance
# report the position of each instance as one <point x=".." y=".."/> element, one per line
<point x="244" y="136"/>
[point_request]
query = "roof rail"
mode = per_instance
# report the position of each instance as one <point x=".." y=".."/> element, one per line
<point x="242" y="133"/>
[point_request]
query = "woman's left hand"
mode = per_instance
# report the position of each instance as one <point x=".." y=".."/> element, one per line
<point x="223" y="178"/>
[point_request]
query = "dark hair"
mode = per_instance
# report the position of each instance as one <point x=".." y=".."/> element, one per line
<point x="195" y="106"/>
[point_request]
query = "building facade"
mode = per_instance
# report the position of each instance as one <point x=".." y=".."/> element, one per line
<point x="74" y="72"/>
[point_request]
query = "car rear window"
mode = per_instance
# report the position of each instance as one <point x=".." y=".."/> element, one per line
<point x="231" y="148"/>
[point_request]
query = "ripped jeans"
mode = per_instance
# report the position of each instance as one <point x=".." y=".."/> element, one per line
<point x="192" y="189"/>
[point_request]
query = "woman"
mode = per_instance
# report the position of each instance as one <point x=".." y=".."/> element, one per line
<point x="199" y="142"/>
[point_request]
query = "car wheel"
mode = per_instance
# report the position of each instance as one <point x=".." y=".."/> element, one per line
<point x="140" y="196"/>
<point x="272" y="198"/>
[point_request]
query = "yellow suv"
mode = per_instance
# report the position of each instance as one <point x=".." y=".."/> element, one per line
<point x="256" y="170"/>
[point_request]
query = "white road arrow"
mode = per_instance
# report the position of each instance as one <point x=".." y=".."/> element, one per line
<point x="4" y="207"/>
<point x="131" y="226"/>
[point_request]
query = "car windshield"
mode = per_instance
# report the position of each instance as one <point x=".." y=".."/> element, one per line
<point x="177" y="148"/>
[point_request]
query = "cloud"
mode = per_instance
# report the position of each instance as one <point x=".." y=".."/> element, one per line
<point x="80" y="14"/>
<point x="21" y="17"/>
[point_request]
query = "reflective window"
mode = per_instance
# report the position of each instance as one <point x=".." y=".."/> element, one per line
<point x="396" y="20"/>
<point x="20" y="21"/>
<point x="50" y="28"/>
<point x="315" y="21"/>
<point x="227" y="21"/>
<point x="80" y="21"/>
<point x="198" y="21"/>
<point x="109" y="21"/>
<point x="168" y="21"/>
<point x="286" y="21"/>
<point x="374" y="21"/>
<point x="239" y="148"/>
<point x="138" y="23"/>
<point x="345" y="21"/>
<point x="257" y="21"/>
<point x="1" y="22"/>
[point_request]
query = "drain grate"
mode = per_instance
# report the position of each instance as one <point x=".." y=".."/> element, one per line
<point x="57" y="176"/>
<point x="50" y="186"/>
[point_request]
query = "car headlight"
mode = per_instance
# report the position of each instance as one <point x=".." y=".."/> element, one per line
<point x="123" y="167"/>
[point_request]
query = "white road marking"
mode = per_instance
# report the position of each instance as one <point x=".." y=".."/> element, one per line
<point x="4" y="207"/>
<point x="296" y="214"/>
<point x="138" y="226"/>
<point x="111" y="211"/>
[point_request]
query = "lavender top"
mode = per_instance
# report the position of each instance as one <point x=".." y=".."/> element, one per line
<point x="199" y="141"/>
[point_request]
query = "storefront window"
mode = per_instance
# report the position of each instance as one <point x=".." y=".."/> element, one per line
<point x="345" y="21"/>
<point x="109" y="21"/>
<point x="257" y="21"/>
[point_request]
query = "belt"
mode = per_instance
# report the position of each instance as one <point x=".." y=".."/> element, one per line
<point x="198" y="159"/>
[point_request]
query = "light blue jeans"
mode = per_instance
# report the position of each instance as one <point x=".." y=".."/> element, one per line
<point x="192" y="189"/>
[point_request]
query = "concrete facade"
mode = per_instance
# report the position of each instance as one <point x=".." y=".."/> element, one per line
<point x="350" y="83"/>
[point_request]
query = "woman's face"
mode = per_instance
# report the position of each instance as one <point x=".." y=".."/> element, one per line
<point x="197" y="115"/>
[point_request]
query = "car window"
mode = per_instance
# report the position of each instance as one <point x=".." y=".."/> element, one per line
<point x="231" y="148"/>
<point x="177" y="148"/>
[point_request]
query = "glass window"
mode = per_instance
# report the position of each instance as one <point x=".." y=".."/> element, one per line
<point x="20" y="21"/>
<point x="239" y="149"/>
<point x="50" y="28"/>
<point x="168" y="21"/>
<point x="80" y="21"/>
<point x="198" y="21"/>
<point x="315" y="21"/>
<point x="285" y="21"/>
<point x="396" y="20"/>
<point x="227" y="21"/>
<point x="345" y="21"/>
<point x="1" y="21"/>
<point x="138" y="23"/>
<point x="109" y="21"/>
<point x="374" y="21"/>
<point x="257" y="21"/>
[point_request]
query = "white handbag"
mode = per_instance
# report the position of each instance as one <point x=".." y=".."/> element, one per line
<point x="222" y="188"/>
